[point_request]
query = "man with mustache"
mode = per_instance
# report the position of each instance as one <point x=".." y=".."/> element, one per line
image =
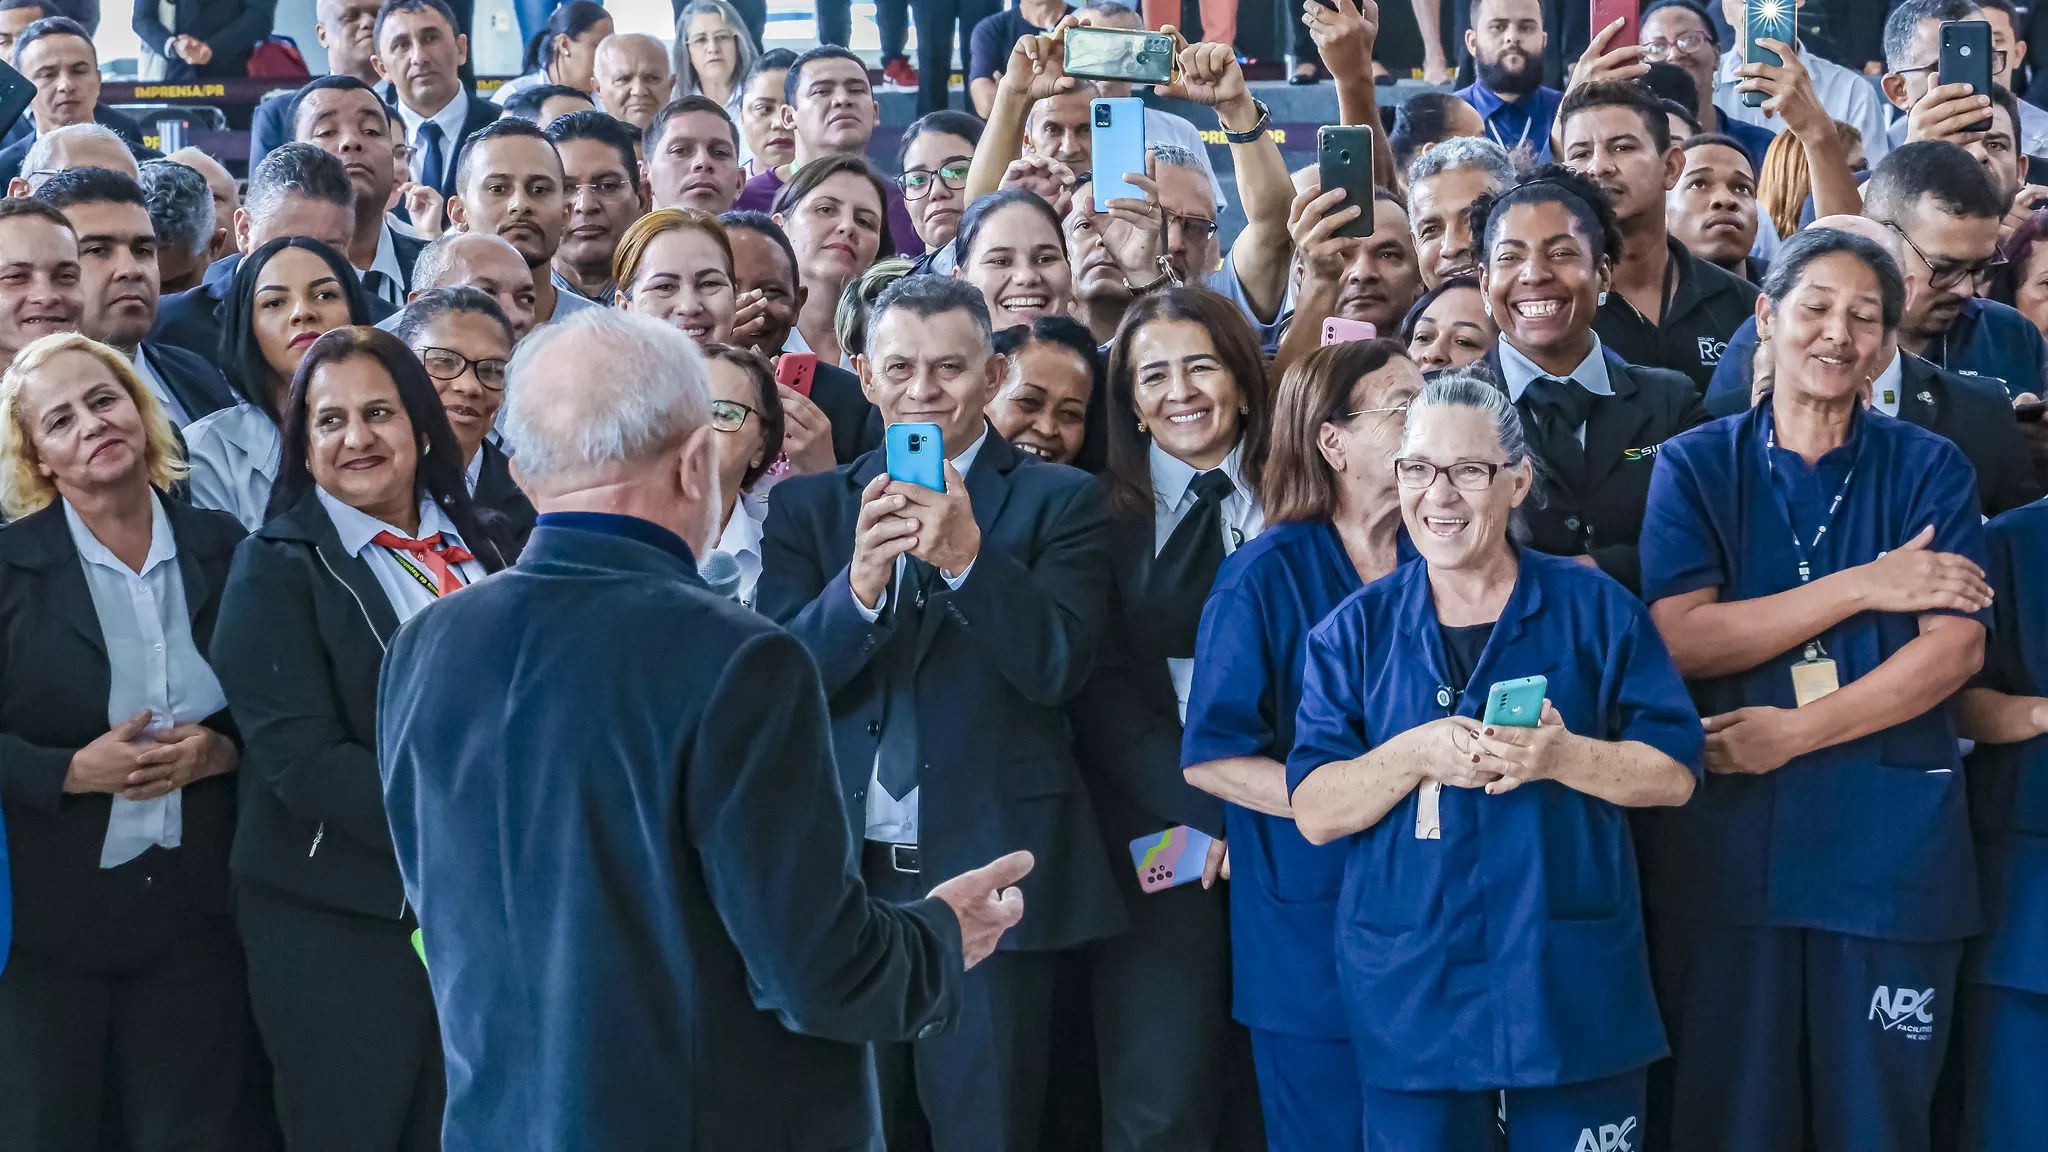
<point x="510" y="185"/>
<point x="420" y="50"/>
<point x="1668" y="308"/>
<point x="603" y="194"/>
<point x="1443" y="181"/>
<point x="691" y="157"/>
<point x="342" y="116"/>
<point x="118" y="288"/>
<point x="1506" y="40"/>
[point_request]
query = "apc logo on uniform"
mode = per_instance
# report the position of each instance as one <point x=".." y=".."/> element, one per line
<point x="1711" y="349"/>
<point x="1909" y="1011"/>
<point x="1608" y="1138"/>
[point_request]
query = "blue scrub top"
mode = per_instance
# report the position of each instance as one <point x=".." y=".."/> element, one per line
<point x="1248" y="659"/>
<point x="1988" y="340"/>
<point x="1869" y="838"/>
<point x="1509" y="953"/>
<point x="2009" y="782"/>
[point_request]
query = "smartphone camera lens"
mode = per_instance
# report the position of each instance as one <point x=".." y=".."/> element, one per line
<point x="1101" y="117"/>
<point x="915" y="441"/>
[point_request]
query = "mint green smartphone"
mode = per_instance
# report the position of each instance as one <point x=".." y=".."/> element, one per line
<point x="1516" y="703"/>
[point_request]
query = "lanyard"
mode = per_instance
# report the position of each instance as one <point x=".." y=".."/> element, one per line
<point x="433" y="588"/>
<point x="1528" y="122"/>
<point x="1802" y="550"/>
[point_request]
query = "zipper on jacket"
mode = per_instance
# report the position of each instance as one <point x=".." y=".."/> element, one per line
<point x="403" y="901"/>
<point x="317" y="834"/>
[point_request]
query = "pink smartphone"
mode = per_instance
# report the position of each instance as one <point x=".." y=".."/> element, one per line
<point x="1171" y="858"/>
<point x="1337" y="330"/>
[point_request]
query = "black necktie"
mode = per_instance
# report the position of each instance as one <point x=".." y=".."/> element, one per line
<point x="382" y="286"/>
<point x="1185" y="568"/>
<point x="1558" y="409"/>
<point x="432" y="166"/>
<point x="896" y="765"/>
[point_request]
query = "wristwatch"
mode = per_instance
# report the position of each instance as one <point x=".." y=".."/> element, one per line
<point x="1256" y="130"/>
<point x="1166" y="277"/>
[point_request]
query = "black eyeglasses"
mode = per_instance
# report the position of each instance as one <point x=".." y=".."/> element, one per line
<point x="917" y="183"/>
<point x="1470" y="475"/>
<point x="1945" y="275"/>
<point x="448" y="364"/>
<point x="729" y="415"/>
<point x="1997" y="65"/>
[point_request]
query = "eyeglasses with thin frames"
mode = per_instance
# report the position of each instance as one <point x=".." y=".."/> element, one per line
<point x="1197" y="229"/>
<point x="1944" y="276"/>
<point x="1467" y="475"/>
<point x="1684" y="44"/>
<point x="917" y="182"/>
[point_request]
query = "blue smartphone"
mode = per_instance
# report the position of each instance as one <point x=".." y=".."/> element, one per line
<point x="1116" y="142"/>
<point x="1171" y="858"/>
<point x="1516" y="703"/>
<point x="916" y="454"/>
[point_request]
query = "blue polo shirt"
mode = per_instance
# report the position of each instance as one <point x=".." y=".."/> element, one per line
<point x="1867" y="838"/>
<point x="1988" y="339"/>
<point x="1508" y="953"/>
<point x="2009" y="782"/>
<point x="1512" y="123"/>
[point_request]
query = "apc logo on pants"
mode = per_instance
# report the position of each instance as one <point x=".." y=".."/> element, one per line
<point x="1608" y="1138"/>
<point x="1906" y="1010"/>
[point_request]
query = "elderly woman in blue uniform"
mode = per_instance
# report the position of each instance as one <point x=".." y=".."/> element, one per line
<point x="2005" y="993"/>
<point x="1814" y="566"/>
<point x="1328" y="487"/>
<point x="1489" y="933"/>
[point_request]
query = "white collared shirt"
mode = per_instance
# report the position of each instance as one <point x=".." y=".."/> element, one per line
<point x="450" y="118"/>
<point x="473" y="471"/>
<point x="890" y="820"/>
<point x="1847" y="96"/>
<point x="404" y="591"/>
<point x="742" y="541"/>
<point x="563" y="287"/>
<point x="392" y="290"/>
<point x="1591" y="374"/>
<point x="234" y="454"/>
<point x="152" y="664"/>
<point x="1885" y="391"/>
<point x="1172" y="479"/>
<point x="157" y="388"/>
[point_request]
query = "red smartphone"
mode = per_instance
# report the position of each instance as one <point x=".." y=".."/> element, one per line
<point x="1606" y="12"/>
<point x="796" y="370"/>
<point x="1337" y="330"/>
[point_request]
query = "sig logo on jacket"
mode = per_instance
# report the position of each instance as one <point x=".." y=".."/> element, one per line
<point x="1711" y="349"/>
<point x="1905" y="1010"/>
<point x="1608" y="1138"/>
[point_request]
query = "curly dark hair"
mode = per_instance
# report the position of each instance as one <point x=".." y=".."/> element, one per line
<point x="1551" y="184"/>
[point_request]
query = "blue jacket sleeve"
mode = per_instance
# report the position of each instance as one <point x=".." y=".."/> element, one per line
<point x="1678" y="548"/>
<point x="1649" y="700"/>
<point x="1330" y="724"/>
<point x="1231" y="702"/>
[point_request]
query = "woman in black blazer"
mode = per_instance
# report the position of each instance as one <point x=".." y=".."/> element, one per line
<point x="369" y="523"/>
<point x="464" y="340"/>
<point x="116" y="754"/>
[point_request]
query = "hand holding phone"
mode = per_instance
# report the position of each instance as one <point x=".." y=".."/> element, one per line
<point x="1765" y="19"/>
<point x="1138" y="56"/>
<point x="916" y="454"/>
<point x="1168" y="859"/>
<point x="1116" y="130"/>
<point x="1344" y="160"/>
<point x="1516" y="703"/>
<point x="1337" y="330"/>
<point x="1966" y="59"/>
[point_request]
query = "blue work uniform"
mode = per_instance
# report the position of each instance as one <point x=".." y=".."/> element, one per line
<point x="1509" y="952"/>
<point x="1987" y="340"/>
<point x="2005" y="990"/>
<point x="1283" y="890"/>
<point x="1810" y="919"/>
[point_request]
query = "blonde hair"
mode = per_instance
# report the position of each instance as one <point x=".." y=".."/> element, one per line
<point x="633" y="245"/>
<point x="1785" y="182"/>
<point x="23" y="487"/>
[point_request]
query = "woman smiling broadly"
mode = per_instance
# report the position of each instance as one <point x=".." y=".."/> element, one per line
<point x="1187" y="408"/>
<point x="1489" y="864"/>
<point x="675" y="265"/>
<point x="1449" y="327"/>
<point x="284" y="296"/>
<point x="371" y="521"/>
<point x="1010" y="246"/>
<point x="1549" y="244"/>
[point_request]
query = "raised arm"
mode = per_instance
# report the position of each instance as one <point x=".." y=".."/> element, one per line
<point x="1263" y="252"/>
<point x="1036" y="70"/>
<point x="1345" y="36"/>
<point x="1313" y="220"/>
<point x="1790" y="98"/>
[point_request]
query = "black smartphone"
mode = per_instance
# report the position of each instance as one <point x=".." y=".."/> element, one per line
<point x="15" y="94"/>
<point x="1966" y="59"/>
<point x="2031" y="412"/>
<point x="1765" y="18"/>
<point x="1344" y="160"/>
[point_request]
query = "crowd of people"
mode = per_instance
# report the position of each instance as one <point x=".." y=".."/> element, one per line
<point x="1693" y="390"/>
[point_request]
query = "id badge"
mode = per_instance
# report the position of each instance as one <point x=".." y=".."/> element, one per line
<point x="1813" y="677"/>
<point x="1428" y="819"/>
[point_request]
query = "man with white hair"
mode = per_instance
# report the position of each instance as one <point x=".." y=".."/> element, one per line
<point x="612" y="799"/>
<point x="479" y="260"/>
<point x="72" y="146"/>
<point x="633" y="77"/>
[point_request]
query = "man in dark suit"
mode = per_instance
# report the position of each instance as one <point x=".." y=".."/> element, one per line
<point x="675" y="951"/>
<point x="343" y="117"/>
<point x="347" y="29"/>
<point x="205" y="39"/>
<point x="419" y="50"/>
<point x="952" y="627"/>
<point x="58" y="57"/>
<point x="118" y="280"/>
<point x="298" y="190"/>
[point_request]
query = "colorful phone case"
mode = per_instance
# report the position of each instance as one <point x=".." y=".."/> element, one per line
<point x="1516" y="703"/>
<point x="916" y="454"/>
<point x="1117" y="143"/>
<point x="1171" y="858"/>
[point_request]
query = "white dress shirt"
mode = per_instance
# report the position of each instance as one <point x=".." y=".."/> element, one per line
<point x="450" y="118"/>
<point x="1846" y="95"/>
<point x="742" y="541"/>
<point x="1591" y="374"/>
<point x="890" y="820"/>
<point x="1172" y="478"/>
<point x="152" y="663"/>
<point x="404" y="591"/>
<point x="234" y="456"/>
<point x="160" y="390"/>
<point x="1885" y="391"/>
